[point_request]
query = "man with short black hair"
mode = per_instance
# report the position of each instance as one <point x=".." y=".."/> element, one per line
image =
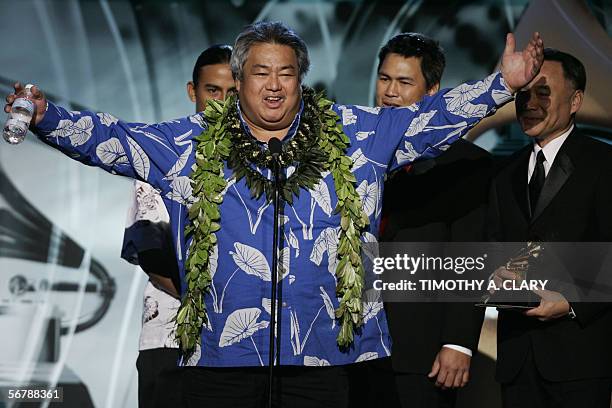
<point x="410" y="66"/>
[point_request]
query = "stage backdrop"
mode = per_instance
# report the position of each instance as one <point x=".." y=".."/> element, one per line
<point x="70" y="308"/>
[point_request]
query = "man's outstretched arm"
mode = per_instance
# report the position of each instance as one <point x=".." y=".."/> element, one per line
<point x="137" y="150"/>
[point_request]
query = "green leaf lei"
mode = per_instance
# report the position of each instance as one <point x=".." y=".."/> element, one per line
<point x="318" y="146"/>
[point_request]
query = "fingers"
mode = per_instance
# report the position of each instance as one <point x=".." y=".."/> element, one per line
<point x="458" y="379"/>
<point x="507" y="275"/>
<point x="539" y="313"/>
<point x="450" y="379"/>
<point x="535" y="312"/>
<point x="36" y="92"/>
<point x="435" y="368"/>
<point x="510" y="44"/>
<point x="465" y="378"/>
<point x="441" y="379"/>
<point x="18" y="87"/>
<point x="536" y="52"/>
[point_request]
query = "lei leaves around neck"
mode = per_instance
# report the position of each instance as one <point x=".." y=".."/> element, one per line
<point x="353" y="221"/>
<point x="208" y="184"/>
<point x="318" y="146"/>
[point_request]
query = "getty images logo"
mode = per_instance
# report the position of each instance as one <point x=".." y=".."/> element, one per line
<point x="414" y="264"/>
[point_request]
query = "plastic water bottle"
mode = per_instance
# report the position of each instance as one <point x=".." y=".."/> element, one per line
<point x="18" y="121"/>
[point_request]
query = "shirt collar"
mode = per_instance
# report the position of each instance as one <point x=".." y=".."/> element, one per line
<point x="290" y="133"/>
<point x="552" y="148"/>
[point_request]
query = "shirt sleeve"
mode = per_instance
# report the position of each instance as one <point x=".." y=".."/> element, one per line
<point x="147" y="225"/>
<point x="399" y="136"/>
<point x="461" y="349"/>
<point x="156" y="153"/>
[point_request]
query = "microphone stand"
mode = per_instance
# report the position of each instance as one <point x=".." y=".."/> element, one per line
<point x="275" y="148"/>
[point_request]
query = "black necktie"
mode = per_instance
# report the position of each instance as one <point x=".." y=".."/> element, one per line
<point x="537" y="181"/>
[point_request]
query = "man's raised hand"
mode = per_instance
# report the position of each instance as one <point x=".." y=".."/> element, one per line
<point x="519" y="67"/>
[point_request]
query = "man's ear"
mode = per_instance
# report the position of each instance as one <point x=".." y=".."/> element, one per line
<point x="237" y="82"/>
<point x="576" y="102"/>
<point x="434" y="89"/>
<point x="191" y="92"/>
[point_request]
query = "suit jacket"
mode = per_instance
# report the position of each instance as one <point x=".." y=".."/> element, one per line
<point x="575" y="205"/>
<point x="439" y="200"/>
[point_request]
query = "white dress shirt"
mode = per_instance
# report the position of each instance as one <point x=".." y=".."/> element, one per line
<point x="550" y="152"/>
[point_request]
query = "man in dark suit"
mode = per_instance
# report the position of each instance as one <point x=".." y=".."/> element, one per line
<point x="559" y="188"/>
<point x="432" y="342"/>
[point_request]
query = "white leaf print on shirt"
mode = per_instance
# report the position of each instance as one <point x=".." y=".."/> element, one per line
<point x="251" y="261"/>
<point x="63" y="129"/>
<point x="293" y="242"/>
<point x="198" y="119"/>
<point x="364" y="135"/>
<point x="358" y="159"/>
<point x="348" y="118"/>
<point x="194" y="358"/>
<point x="320" y="194"/>
<point x="213" y="261"/>
<point x="370" y="355"/>
<point x="111" y="152"/>
<point x="408" y="154"/>
<point x="329" y="306"/>
<point x="327" y="241"/>
<point x="295" y="333"/>
<point x="139" y="159"/>
<point x="107" y="119"/>
<point x="284" y="259"/>
<point x="501" y="96"/>
<point x="413" y="108"/>
<point x="181" y="191"/>
<point x="370" y="246"/>
<point x="297" y="343"/>
<point x="459" y="100"/>
<point x="312" y="361"/>
<point x="242" y="324"/>
<point x="369" y="109"/>
<point x="79" y="132"/>
<point x="369" y="196"/>
<point x="418" y="124"/>
<point x="253" y="224"/>
<point x="180" y="164"/>
<point x="266" y="303"/>
<point x="372" y="305"/>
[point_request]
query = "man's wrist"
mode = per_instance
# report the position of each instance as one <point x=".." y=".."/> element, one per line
<point x="459" y="348"/>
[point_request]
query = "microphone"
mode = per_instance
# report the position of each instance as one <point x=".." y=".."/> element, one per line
<point x="275" y="146"/>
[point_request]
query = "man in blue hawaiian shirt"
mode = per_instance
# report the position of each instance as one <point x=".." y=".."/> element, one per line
<point x="269" y="62"/>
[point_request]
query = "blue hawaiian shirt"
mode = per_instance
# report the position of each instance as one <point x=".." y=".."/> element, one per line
<point x="238" y="303"/>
